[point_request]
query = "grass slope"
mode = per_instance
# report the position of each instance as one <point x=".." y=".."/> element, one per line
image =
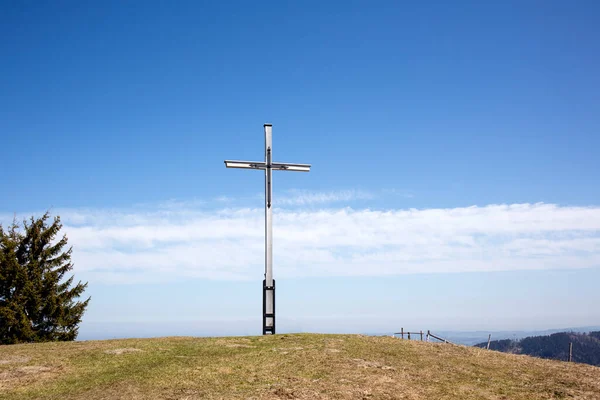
<point x="304" y="366"/>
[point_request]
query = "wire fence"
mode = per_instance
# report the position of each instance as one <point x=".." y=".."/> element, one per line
<point x="429" y="336"/>
<point x="420" y="334"/>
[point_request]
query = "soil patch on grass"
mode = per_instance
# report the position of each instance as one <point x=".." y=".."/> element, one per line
<point x="123" y="351"/>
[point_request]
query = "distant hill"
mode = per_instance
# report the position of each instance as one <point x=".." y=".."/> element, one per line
<point x="586" y="346"/>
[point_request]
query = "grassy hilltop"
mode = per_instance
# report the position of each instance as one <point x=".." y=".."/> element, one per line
<point x="303" y="366"/>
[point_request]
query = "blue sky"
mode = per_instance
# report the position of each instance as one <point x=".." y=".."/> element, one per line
<point x="454" y="151"/>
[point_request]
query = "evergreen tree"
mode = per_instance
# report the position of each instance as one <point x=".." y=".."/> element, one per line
<point x="36" y="303"/>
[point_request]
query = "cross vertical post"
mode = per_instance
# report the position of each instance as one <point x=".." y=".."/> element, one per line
<point x="269" y="284"/>
<point x="268" y="311"/>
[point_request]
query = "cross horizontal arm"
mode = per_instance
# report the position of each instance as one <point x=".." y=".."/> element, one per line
<point x="245" y="164"/>
<point x="291" y="167"/>
<point x="262" y="165"/>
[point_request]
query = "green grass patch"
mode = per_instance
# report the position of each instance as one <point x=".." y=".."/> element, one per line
<point x="302" y="366"/>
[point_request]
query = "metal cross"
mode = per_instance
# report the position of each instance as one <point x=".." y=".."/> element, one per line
<point x="268" y="166"/>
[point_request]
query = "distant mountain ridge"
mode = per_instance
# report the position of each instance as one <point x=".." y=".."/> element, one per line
<point x="586" y="346"/>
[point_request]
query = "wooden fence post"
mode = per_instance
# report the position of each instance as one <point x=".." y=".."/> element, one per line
<point x="570" y="351"/>
<point x="408" y="335"/>
<point x="421" y="332"/>
<point x="402" y="332"/>
<point x="489" y="339"/>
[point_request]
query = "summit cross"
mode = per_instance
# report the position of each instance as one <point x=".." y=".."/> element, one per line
<point x="268" y="166"/>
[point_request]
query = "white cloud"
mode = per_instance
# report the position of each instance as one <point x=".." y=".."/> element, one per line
<point x="304" y="197"/>
<point x="184" y="241"/>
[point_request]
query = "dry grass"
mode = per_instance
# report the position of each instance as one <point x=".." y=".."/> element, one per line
<point x="304" y="366"/>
